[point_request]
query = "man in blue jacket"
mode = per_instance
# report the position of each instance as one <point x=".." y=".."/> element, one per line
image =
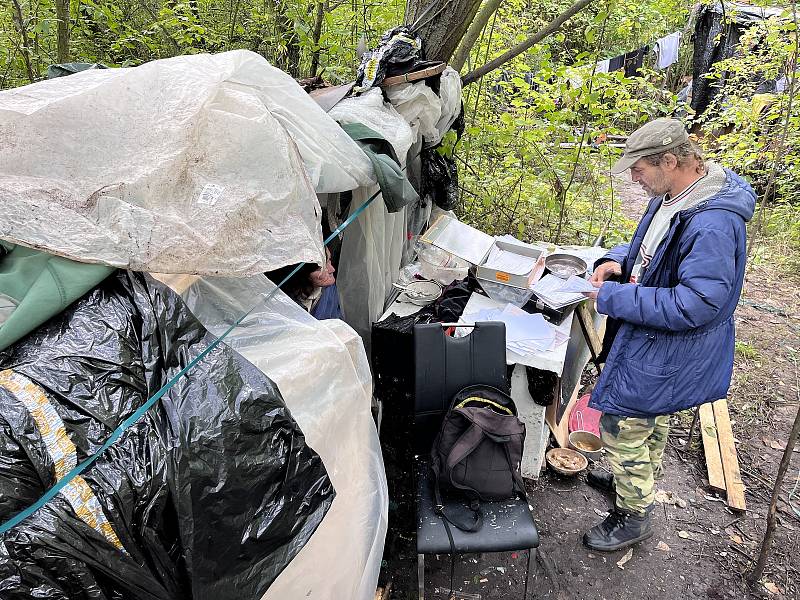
<point x="669" y="295"/>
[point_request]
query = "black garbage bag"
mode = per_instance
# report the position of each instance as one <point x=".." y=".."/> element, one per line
<point x="439" y="179"/>
<point x="398" y="52"/>
<point x="209" y="496"/>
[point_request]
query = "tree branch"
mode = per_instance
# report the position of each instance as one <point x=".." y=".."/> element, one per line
<point x="25" y="46"/>
<point x="537" y="37"/>
<point x="475" y="28"/>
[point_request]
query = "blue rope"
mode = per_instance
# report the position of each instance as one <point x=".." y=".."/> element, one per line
<point x="139" y="413"/>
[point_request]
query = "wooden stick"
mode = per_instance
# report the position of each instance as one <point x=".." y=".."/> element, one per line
<point x="758" y="570"/>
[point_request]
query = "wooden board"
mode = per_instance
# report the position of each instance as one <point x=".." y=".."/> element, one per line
<point x="730" y="461"/>
<point x="708" y="428"/>
<point x="587" y="325"/>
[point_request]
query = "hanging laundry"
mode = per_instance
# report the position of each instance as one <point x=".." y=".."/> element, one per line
<point x="616" y="63"/>
<point x="634" y="60"/>
<point x="603" y="66"/>
<point x="667" y="50"/>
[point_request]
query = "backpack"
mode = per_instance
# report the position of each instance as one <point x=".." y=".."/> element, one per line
<point x="479" y="447"/>
<point x="477" y="454"/>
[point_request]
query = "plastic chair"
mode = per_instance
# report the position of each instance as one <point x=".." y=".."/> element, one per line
<point x="443" y="366"/>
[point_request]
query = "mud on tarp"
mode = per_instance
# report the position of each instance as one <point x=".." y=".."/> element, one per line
<point x="210" y="495"/>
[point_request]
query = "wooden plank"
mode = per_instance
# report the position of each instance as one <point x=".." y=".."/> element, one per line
<point x="730" y="461"/>
<point x="589" y="332"/>
<point x="708" y="428"/>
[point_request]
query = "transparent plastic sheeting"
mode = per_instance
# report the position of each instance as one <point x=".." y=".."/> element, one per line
<point x="369" y="109"/>
<point x="195" y="164"/>
<point x="373" y="244"/>
<point x="321" y="370"/>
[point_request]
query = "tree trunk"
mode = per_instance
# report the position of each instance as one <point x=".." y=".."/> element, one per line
<point x="441" y="24"/>
<point x="62" y="30"/>
<point x="465" y="47"/>
<point x="319" y="18"/>
<point x="25" y="48"/>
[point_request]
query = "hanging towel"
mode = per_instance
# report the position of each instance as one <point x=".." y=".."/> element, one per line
<point x="667" y="49"/>
<point x="602" y="66"/>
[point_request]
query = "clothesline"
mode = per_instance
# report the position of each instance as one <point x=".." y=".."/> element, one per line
<point x="665" y="48"/>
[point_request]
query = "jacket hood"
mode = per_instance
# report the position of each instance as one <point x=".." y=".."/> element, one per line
<point x="736" y="196"/>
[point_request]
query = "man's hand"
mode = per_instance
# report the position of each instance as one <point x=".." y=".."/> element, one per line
<point x="605" y="272"/>
<point x="602" y="274"/>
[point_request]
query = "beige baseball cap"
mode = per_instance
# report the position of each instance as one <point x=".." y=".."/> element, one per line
<point x="654" y="137"/>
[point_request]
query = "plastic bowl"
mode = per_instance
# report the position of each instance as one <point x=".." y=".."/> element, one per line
<point x="586" y="443"/>
<point x="566" y="461"/>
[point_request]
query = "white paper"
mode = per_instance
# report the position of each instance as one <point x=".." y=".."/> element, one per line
<point x="509" y="262"/>
<point x="548" y="290"/>
<point x="548" y="360"/>
<point x="577" y="284"/>
<point x="459" y="239"/>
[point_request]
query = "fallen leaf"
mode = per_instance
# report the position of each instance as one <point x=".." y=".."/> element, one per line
<point x="684" y="535"/>
<point x="628" y="555"/>
<point x="663" y="547"/>
<point x="777" y="446"/>
<point x="737" y="539"/>
<point x="771" y="587"/>
<point x="680" y="502"/>
<point x="714" y="531"/>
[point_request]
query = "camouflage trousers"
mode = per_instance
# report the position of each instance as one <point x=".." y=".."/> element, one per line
<point x="635" y="449"/>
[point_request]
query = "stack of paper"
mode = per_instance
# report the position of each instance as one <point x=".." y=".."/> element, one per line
<point x="576" y="285"/>
<point x="525" y="333"/>
<point x="549" y="290"/>
<point x="515" y="264"/>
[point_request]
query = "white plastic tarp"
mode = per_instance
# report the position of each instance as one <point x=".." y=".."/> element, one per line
<point x="322" y="372"/>
<point x="372" y="246"/>
<point x="183" y="165"/>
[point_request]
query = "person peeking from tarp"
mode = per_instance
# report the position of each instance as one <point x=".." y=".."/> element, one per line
<point x="669" y="295"/>
<point x="312" y="287"/>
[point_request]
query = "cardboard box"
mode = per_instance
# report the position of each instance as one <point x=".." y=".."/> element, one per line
<point x="511" y="279"/>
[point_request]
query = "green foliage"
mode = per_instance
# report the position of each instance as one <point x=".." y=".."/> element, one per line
<point x="531" y="165"/>
<point x="746" y="351"/>
<point x="131" y="32"/>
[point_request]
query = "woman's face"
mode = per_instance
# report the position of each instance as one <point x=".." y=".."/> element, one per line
<point x="324" y="277"/>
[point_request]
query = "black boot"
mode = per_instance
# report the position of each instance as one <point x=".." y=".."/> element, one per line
<point x="619" y="530"/>
<point x="601" y="480"/>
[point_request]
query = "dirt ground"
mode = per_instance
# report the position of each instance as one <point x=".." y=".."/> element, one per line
<point x="701" y="551"/>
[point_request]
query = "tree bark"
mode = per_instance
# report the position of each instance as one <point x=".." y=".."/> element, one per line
<point x="537" y="37"/>
<point x="62" y="30"/>
<point x="469" y="39"/>
<point x="25" y="43"/>
<point x="442" y="27"/>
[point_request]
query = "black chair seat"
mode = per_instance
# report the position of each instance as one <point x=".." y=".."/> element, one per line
<point x="507" y="525"/>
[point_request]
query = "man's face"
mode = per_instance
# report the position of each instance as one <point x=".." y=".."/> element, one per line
<point x="654" y="180"/>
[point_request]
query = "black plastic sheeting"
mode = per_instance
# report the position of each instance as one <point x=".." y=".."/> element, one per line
<point x="718" y="30"/>
<point x="398" y="52"/>
<point x="212" y="493"/>
<point x="439" y="179"/>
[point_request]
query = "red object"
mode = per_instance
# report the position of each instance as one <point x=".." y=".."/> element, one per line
<point x="583" y="418"/>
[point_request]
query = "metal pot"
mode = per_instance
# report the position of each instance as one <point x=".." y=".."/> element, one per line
<point x="566" y="265"/>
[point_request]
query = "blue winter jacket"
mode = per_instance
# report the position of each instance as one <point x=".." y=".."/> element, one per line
<point x="670" y="338"/>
